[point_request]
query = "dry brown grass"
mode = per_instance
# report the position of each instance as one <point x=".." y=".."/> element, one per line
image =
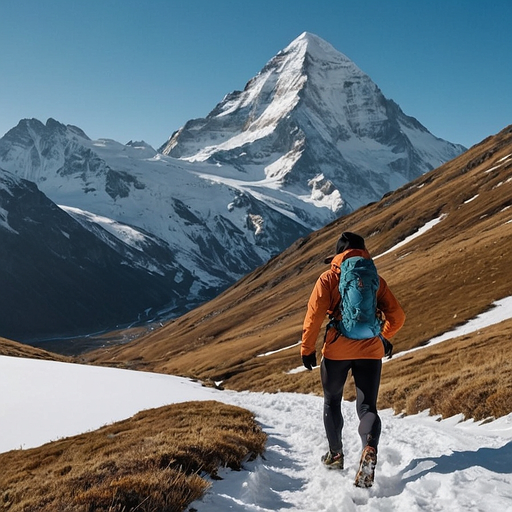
<point x="443" y="279"/>
<point x="14" y="349"/>
<point x="153" y="462"/>
<point x="471" y="375"/>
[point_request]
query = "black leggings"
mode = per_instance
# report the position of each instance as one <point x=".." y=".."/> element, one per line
<point x="366" y="373"/>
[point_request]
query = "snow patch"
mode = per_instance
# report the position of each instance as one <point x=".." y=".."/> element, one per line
<point x="4" y="223"/>
<point x="500" y="311"/>
<point x="429" y="225"/>
<point x="127" y="234"/>
<point x="279" y="350"/>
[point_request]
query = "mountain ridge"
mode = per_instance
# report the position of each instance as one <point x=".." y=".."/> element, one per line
<point x="61" y="279"/>
<point x="313" y="85"/>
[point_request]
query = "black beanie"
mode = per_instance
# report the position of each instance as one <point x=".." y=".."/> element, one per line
<point x="349" y="240"/>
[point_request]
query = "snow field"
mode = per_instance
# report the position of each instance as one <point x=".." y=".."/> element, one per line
<point x="424" y="464"/>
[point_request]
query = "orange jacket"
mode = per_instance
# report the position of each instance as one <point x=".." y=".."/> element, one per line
<point x="325" y="299"/>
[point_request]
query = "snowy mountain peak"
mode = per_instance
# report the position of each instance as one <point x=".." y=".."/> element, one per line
<point x="267" y="99"/>
<point x="312" y="116"/>
<point x="316" y="47"/>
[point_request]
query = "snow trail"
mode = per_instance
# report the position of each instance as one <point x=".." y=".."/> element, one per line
<point x="424" y="464"/>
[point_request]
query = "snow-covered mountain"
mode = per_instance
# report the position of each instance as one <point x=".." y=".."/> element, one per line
<point x="212" y="224"/>
<point x="310" y="138"/>
<point x="61" y="278"/>
<point x="162" y="217"/>
<point x="313" y="124"/>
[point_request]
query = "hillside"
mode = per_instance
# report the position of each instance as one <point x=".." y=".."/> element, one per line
<point x="15" y="349"/>
<point x="152" y="460"/>
<point x="443" y="278"/>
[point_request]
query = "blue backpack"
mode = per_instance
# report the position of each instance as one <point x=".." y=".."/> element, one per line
<point x="359" y="283"/>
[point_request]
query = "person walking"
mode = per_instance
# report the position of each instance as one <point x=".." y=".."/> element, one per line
<point x="362" y="353"/>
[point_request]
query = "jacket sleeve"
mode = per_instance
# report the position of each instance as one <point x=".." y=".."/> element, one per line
<point x="393" y="312"/>
<point x="318" y="306"/>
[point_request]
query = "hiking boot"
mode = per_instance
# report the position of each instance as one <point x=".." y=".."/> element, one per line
<point x="366" y="472"/>
<point x="333" y="460"/>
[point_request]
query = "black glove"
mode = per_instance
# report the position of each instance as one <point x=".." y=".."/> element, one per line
<point x="388" y="347"/>
<point x="309" y="361"/>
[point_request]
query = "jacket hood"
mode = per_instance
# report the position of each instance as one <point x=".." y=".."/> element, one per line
<point x="337" y="260"/>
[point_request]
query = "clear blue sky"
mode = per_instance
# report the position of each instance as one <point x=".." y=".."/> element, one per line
<point x="126" y="69"/>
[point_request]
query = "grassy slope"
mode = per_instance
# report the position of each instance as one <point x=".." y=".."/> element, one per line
<point x="14" y="349"/>
<point x="153" y="461"/>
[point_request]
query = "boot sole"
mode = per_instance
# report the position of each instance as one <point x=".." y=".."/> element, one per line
<point x="366" y="473"/>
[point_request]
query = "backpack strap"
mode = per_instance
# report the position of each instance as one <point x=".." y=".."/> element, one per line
<point x="333" y="324"/>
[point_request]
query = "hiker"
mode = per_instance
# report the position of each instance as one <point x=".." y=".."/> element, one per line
<point x="342" y="353"/>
